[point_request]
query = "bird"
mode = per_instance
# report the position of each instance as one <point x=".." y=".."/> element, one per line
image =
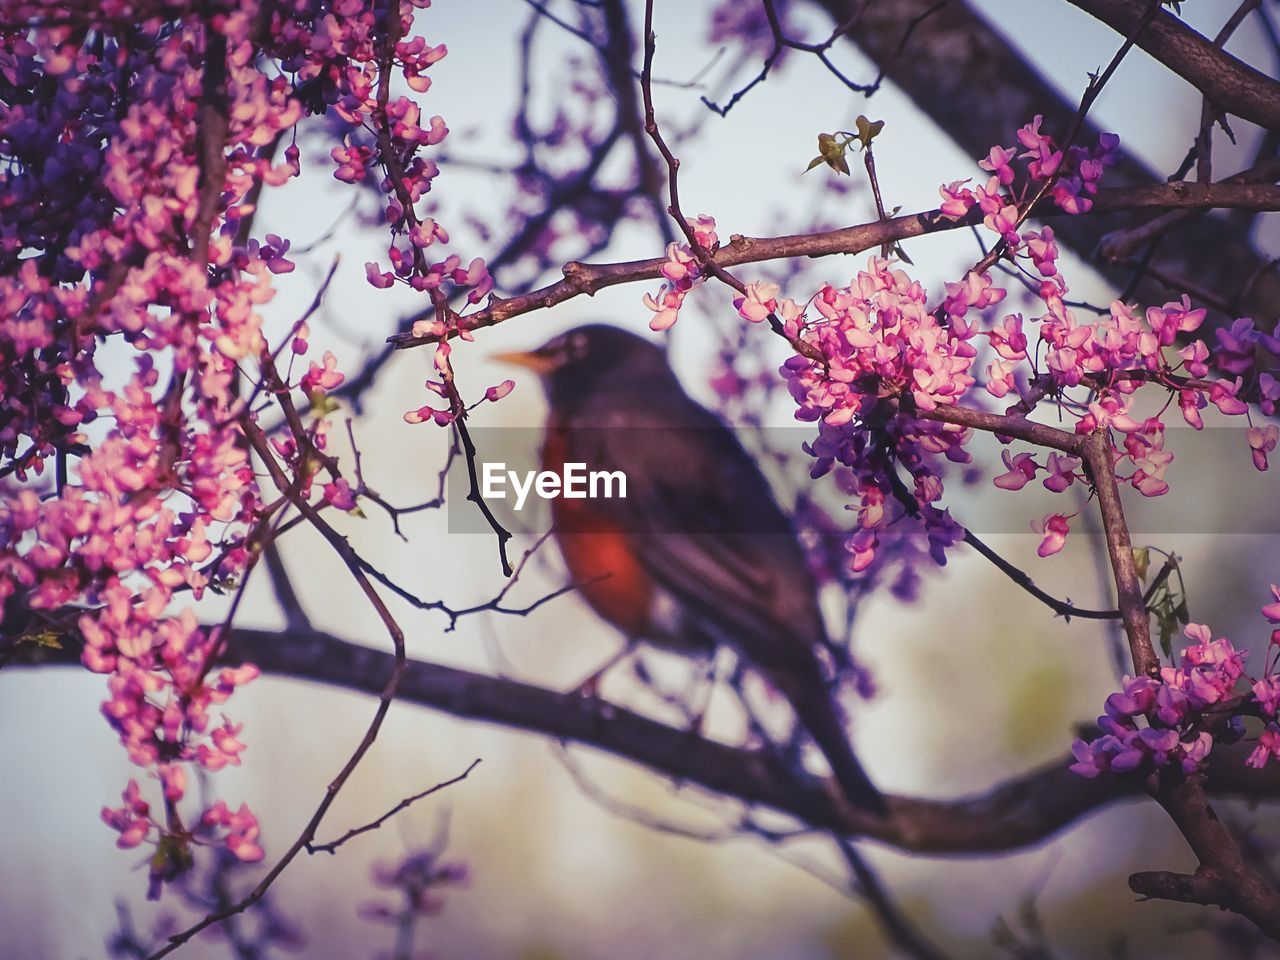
<point x="698" y="554"/>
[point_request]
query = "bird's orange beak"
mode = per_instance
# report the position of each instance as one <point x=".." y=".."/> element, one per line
<point x="540" y="363"/>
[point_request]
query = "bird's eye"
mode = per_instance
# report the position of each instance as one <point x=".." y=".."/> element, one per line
<point x="578" y="346"/>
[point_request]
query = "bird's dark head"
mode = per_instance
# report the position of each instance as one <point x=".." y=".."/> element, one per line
<point x="581" y="361"/>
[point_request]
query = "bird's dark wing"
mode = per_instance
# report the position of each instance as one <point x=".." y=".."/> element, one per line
<point x="707" y="529"/>
<point x="706" y="525"/>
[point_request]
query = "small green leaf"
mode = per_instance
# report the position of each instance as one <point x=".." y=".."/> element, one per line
<point x="832" y="152"/>
<point x="1167" y="622"/>
<point x="1170" y="610"/>
<point x="172" y="857"/>
<point x="1142" y="560"/>
<point x="322" y="404"/>
<point x="902" y="255"/>
<point x="45" y="638"/>
<point x="868" y="129"/>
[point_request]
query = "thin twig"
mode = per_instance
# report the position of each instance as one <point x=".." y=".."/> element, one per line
<point x="896" y="925"/>
<point x="333" y="845"/>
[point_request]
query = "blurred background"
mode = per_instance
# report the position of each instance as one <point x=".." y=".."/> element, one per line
<point x="975" y="682"/>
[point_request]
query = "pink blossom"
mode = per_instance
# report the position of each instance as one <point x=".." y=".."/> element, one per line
<point x="241" y="830"/>
<point x="1194" y="356"/>
<point x="682" y="274"/>
<point x="1137" y="697"/>
<point x="1267" y="694"/>
<point x="1062" y="471"/>
<point x="339" y="494"/>
<point x="1008" y="340"/>
<point x="1054" y="528"/>
<point x="1268" y="747"/>
<point x="1272" y="610"/>
<point x="863" y="547"/>
<point x="997" y="161"/>
<point x="758" y="302"/>
<point x="1042" y="250"/>
<point x="1000" y="378"/>
<point x="1236" y="345"/>
<point x="131" y="821"/>
<point x="957" y="199"/>
<point x="1223" y="396"/>
<point x="378" y="278"/>
<point x="1269" y="391"/>
<point x="498" y="391"/>
<point x="1262" y="440"/>
<point x="320" y="379"/>
<point x="1021" y="470"/>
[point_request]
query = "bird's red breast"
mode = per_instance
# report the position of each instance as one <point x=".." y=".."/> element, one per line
<point x="599" y="552"/>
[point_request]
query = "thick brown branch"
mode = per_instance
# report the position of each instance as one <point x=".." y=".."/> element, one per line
<point x="1019" y="812"/>
<point x="1120" y="246"/>
<point x="212" y="140"/>
<point x="1097" y="454"/>
<point x="1231" y="85"/>
<point x="1240" y="887"/>
<point x="1224" y="877"/>
<point x="1007" y="425"/>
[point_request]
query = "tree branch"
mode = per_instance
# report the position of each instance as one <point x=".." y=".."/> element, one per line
<point x="588" y="279"/>
<point x="1239" y="886"/>
<point x="1019" y="812"/>
<point x="1230" y="84"/>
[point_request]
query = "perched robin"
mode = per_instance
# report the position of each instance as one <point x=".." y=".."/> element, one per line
<point x="697" y="553"/>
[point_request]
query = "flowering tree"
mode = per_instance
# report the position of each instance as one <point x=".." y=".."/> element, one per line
<point x="156" y="442"/>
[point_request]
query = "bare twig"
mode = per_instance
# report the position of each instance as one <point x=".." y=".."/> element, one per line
<point x="1062" y="608"/>
<point x="782" y="42"/>
<point x="333" y="845"/>
<point x="1119" y="247"/>
<point x="493" y="605"/>
<point x="896" y="925"/>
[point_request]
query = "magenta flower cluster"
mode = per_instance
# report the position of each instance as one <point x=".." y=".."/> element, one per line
<point x="1176" y="718"/>
<point x="681" y="272"/>
<point x="880" y="358"/>
<point x="132" y="154"/>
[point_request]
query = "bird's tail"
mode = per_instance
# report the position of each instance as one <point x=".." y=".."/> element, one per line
<point x="818" y="714"/>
